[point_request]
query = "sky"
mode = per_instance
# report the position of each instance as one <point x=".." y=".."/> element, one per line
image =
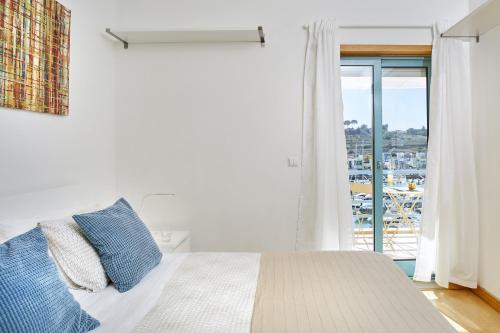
<point x="403" y="103"/>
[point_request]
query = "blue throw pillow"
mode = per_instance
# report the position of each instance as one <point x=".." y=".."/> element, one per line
<point x="127" y="249"/>
<point x="32" y="296"/>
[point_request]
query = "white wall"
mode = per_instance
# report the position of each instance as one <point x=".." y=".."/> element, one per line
<point x="486" y="103"/>
<point x="40" y="151"/>
<point x="216" y="123"/>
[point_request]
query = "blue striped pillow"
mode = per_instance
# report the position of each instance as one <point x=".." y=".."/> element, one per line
<point x="32" y="296"/>
<point x="127" y="250"/>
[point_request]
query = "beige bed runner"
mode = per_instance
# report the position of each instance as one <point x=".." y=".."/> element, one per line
<point x="339" y="292"/>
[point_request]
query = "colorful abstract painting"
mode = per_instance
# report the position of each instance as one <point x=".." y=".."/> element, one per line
<point x="34" y="55"/>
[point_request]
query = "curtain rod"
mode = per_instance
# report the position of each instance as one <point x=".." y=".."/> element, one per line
<point x="305" y="26"/>
<point x="385" y="26"/>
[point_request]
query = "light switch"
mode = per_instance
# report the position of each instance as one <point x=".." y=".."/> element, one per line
<point x="293" y="162"/>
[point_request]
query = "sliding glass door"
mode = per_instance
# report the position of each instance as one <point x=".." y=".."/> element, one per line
<point x="386" y="126"/>
<point x="358" y="96"/>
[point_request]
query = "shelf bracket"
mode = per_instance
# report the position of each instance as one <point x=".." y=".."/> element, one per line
<point x="475" y="37"/>
<point x="125" y="43"/>
<point x="262" y="36"/>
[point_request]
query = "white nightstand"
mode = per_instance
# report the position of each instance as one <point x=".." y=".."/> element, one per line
<point x="172" y="241"/>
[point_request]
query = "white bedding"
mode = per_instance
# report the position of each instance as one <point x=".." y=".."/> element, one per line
<point x="210" y="292"/>
<point x="215" y="292"/>
<point x="123" y="312"/>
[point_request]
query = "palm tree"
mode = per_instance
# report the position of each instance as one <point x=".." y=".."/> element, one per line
<point x="347" y="123"/>
<point x="354" y="122"/>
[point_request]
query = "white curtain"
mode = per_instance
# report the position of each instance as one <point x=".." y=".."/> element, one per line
<point x="325" y="216"/>
<point x="449" y="236"/>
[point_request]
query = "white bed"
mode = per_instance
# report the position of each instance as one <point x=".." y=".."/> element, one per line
<point x="238" y="292"/>
<point x="241" y="292"/>
<point x="123" y="312"/>
<point x="199" y="287"/>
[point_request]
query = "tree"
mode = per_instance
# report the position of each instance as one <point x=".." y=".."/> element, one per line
<point x="347" y="123"/>
<point x="363" y="130"/>
<point x="411" y="131"/>
<point x="354" y="122"/>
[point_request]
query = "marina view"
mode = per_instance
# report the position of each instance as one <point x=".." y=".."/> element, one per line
<point x="400" y="140"/>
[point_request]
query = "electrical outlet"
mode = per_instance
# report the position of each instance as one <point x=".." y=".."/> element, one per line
<point x="293" y="162"/>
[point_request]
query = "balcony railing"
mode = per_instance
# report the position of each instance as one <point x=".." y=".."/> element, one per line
<point x="401" y="220"/>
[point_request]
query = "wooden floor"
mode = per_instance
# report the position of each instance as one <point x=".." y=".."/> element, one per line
<point x="465" y="311"/>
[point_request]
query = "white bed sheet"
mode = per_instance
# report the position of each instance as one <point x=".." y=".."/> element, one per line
<point x="122" y="312"/>
<point x="210" y="292"/>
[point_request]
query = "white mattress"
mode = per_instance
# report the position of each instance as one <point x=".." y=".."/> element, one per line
<point x="123" y="312"/>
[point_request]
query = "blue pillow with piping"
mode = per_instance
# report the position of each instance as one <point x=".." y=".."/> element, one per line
<point x="33" y="298"/>
<point x="126" y="247"/>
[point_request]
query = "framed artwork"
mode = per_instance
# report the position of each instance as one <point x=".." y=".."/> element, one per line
<point x="34" y="55"/>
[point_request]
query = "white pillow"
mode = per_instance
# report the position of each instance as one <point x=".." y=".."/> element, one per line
<point x="77" y="259"/>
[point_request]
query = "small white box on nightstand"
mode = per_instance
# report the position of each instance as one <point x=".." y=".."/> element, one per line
<point x="172" y="241"/>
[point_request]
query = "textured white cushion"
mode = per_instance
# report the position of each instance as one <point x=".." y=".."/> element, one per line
<point x="77" y="259"/>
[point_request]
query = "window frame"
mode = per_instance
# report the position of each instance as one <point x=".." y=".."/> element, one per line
<point x="378" y="63"/>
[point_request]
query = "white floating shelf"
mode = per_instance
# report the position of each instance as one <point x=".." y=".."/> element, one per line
<point x="477" y="23"/>
<point x="253" y="35"/>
